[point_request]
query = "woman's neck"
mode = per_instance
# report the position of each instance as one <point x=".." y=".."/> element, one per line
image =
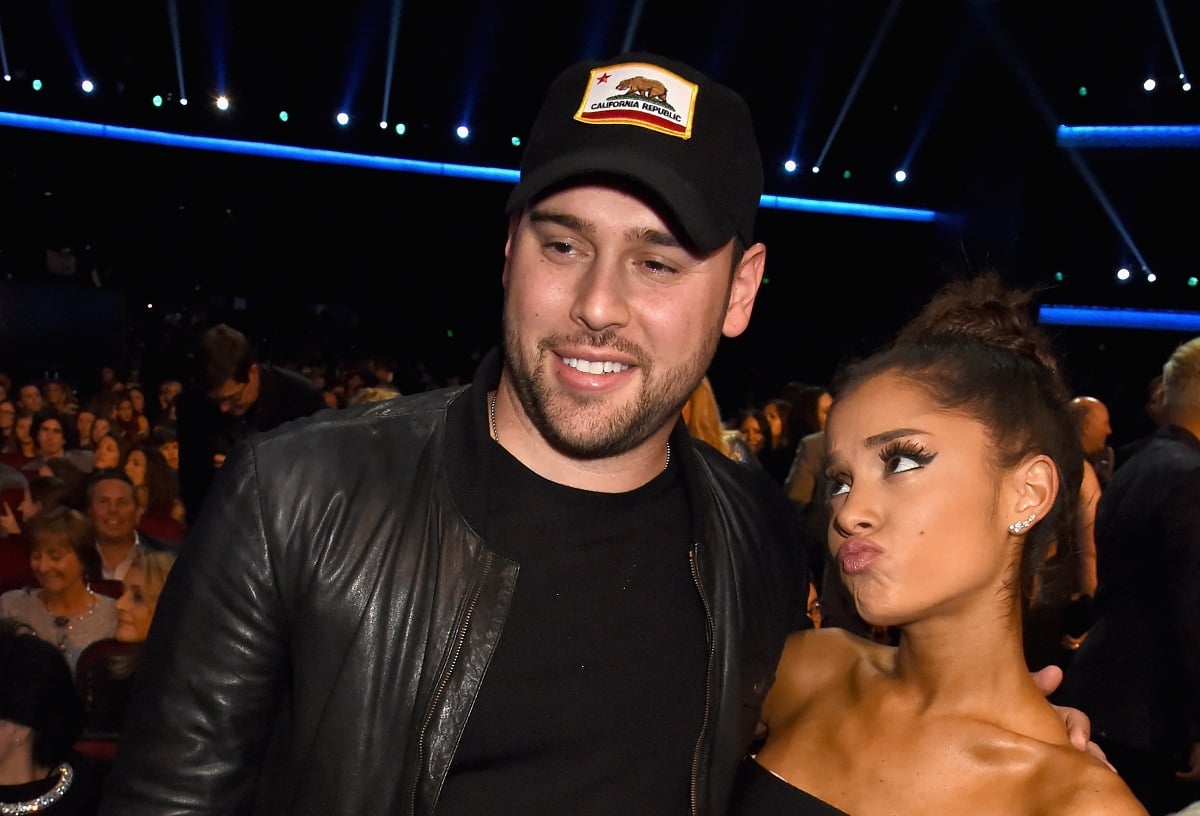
<point x="18" y="767"/>
<point x="70" y="602"/>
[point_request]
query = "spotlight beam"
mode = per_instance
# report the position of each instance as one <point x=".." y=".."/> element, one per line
<point x="173" y="22"/>
<point x="3" y="54"/>
<point x="1170" y="32"/>
<point x="391" y="163"/>
<point x="873" y="51"/>
<point x="1046" y="111"/>
<point x="393" y="38"/>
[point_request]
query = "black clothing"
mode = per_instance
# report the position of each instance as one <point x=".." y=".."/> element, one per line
<point x="1138" y="670"/>
<point x="325" y="634"/>
<point x="203" y="430"/>
<point x="758" y="792"/>
<point x="566" y="676"/>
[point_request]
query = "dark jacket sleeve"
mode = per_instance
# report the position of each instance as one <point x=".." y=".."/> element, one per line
<point x="1181" y="515"/>
<point x="204" y="697"/>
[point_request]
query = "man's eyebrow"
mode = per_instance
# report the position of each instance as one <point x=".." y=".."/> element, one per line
<point x="648" y="235"/>
<point x="561" y="219"/>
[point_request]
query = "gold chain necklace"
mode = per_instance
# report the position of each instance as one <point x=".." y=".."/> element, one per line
<point x="496" y="431"/>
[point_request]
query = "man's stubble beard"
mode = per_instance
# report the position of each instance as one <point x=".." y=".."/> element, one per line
<point x="660" y="399"/>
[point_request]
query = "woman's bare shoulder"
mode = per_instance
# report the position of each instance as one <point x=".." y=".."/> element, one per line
<point x="1084" y="786"/>
<point x="813" y="658"/>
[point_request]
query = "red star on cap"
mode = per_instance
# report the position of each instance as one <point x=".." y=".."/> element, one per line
<point x="600" y="80"/>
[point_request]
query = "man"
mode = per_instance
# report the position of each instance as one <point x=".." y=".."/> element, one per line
<point x="1138" y="670"/>
<point x="113" y="508"/>
<point x="29" y="398"/>
<point x="1091" y="414"/>
<point x="236" y="396"/>
<point x="50" y="433"/>
<point x="330" y="641"/>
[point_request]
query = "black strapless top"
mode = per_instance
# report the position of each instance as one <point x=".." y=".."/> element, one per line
<point x="758" y="792"/>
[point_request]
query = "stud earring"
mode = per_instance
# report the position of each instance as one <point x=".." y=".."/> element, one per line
<point x="1017" y="527"/>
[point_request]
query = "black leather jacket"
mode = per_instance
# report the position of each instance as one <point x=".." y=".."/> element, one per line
<point x="321" y="640"/>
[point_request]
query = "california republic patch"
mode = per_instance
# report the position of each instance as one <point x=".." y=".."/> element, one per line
<point x="637" y="93"/>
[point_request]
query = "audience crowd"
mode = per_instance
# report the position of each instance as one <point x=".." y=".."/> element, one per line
<point x="100" y="478"/>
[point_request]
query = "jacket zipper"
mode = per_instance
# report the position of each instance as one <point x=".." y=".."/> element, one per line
<point x="445" y="679"/>
<point x="712" y="647"/>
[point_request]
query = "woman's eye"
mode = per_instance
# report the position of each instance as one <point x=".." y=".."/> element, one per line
<point x="901" y="459"/>
<point x="837" y="487"/>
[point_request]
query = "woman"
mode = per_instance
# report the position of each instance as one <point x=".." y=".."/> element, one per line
<point x="104" y="684"/>
<point x="702" y="415"/>
<point x="156" y="485"/>
<point x="20" y="448"/>
<point x="40" y="720"/>
<point x="111" y="452"/>
<point x="62" y="609"/>
<point x="953" y="465"/>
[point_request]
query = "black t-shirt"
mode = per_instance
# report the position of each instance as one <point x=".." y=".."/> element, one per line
<point x="594" y="700"/>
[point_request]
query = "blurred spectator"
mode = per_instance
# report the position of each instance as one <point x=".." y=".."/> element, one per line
<point x="20" y="448"/>
<point x="1092" y="417"/>
<point x="161" y="410"/>
<point x="114" y="510"/>
<point x="62" y="608"/>
<point x="157" y="490"/>
<point x="236" y="396"/>
<point x="111" y="452"/>
<point x="105" y="683"/>
<point x="132" y="425"/>
<point x="1137" y="673"/>
<point x="60" y="397"/>
<point x="702" y="415"/>
<point x="29" y="397"/>
<point x="8" y="418"/>
<point x="50" y="432"/>
<point x="42" y="717"/>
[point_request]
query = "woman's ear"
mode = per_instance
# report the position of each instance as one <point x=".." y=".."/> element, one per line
<point x="1035" y="485"/>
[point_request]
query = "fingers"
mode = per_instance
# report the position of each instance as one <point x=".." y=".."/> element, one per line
<point x="1048" y="679"/>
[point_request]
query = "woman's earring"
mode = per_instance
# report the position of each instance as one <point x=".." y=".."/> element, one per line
<point x="1017" y="527"/>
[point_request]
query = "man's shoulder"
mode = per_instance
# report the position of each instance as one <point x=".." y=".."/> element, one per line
<point x="396" y="416"/>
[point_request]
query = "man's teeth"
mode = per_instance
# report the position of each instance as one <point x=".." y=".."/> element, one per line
<point x="590" y="367"/>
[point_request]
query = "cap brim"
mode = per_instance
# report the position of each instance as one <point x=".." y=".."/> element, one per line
<point x="703" y="226"/>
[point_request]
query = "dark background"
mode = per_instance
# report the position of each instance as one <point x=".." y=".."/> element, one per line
<point x="316" y="259"/>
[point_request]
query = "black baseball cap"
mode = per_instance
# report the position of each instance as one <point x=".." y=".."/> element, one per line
<point x="660" y="124"/>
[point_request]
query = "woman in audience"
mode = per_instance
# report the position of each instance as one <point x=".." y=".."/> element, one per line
<point x="953" y="464"/>
<point x="20" y="448"/>
<point x="8" y="418"/>
<point x="60" y="398"/>
<point x="110" y="452"/>
<point x="130" y="423"/>
<point x="164" y="439"/>
<point x="40" y="720"/>
<point x="62" y="609"/>
<point x="156" y="486"/>
<point x="702" y="415"/>
<point x="105" y="686"/>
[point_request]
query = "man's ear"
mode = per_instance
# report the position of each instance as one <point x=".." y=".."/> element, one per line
<point x="1035" y="484"/>
<point x="747" y="278"/>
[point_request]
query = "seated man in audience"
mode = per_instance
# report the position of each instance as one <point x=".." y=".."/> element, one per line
<point x="113" y="508"/>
